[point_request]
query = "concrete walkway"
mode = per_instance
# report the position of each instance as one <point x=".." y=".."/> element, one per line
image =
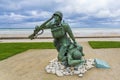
<point x="30" y="65"/>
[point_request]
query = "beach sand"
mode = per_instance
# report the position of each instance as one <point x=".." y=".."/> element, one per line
<point x="30" y="65"/>
<point x="79" y="34"/>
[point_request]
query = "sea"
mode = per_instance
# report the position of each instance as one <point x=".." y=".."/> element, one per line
<point x="76" y="31"/>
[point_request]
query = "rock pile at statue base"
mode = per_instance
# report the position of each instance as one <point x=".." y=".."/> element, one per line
<point x="56" y="67"/>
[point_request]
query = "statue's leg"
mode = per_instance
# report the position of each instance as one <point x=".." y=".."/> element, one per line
<point x="62" y="53"/>
<point x="80" y="48"/>
<point x="57" y="44"/>
<point x="74" y="57"/>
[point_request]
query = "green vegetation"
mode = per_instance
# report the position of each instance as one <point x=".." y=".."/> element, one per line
<point x="104" y="44"/>
<point x="10" y="49"/>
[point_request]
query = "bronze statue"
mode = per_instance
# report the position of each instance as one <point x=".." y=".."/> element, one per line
<point x="69" y="52"/>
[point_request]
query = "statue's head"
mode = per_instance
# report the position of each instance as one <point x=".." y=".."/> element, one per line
<point x="58" y="13"/>
<point x="58" y="16"/>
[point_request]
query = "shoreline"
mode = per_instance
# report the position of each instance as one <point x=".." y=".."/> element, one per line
<point x="49" y="36"/>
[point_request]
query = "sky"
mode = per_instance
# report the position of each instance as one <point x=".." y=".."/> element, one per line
<point x="77" y="13"/>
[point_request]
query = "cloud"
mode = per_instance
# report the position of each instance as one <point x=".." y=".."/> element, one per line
<point x="40" y="14"/>
<point x="11" y="18"/>
<point x="78" y="13"/>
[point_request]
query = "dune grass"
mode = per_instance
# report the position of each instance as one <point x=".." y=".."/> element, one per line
<point x="10" y="49"/>
<point x="104" y="44"/>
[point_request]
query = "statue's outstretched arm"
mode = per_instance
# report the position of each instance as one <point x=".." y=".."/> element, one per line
<point x="38" y="28"/>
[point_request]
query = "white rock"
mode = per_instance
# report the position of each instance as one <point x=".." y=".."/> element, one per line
<point x="80" y="75"/>
<point x="50" y="67"/>
<point x="53" y="71"/>
<point x="82" y="71"/>
<point x="68" y="69"/>
<point x="90" y="60"/>
<point x="59" y="73"/>
<point x="76" y="72"/>
<point x="80" y="67"/>
<point x="87" y="67"/>
<point x="62" y="66"/>
<point x="64" y="72"/>
<point x="55" y="63"/>
<point x="47" y="67"/>
<point x="88" y="63"/>
<point x="59" y="63"/>
<point x="55" y="67"/>
<point x="93" y="62"/>
<point x="48" y="70"/>
<point x="71" y="73"/>
<point x="67" y="73"/>
<point x="91" y="66"/>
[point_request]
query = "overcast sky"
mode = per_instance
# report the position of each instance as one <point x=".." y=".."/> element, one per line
<point x="78" y="13"/>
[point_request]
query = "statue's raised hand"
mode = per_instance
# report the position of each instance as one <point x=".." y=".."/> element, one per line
<point x="31" y="36"/>
<point x="52" y="17"/>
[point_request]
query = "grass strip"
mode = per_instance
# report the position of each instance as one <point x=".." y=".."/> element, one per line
<point x="9" y="49"/>
<point x="104" y="44"/>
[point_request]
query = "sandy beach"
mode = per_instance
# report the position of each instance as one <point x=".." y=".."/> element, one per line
<point x="30" y="64"/>
<point x="48" y="35"/>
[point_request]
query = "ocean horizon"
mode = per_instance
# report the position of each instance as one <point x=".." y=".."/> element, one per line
<point x="74" y="30"/>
